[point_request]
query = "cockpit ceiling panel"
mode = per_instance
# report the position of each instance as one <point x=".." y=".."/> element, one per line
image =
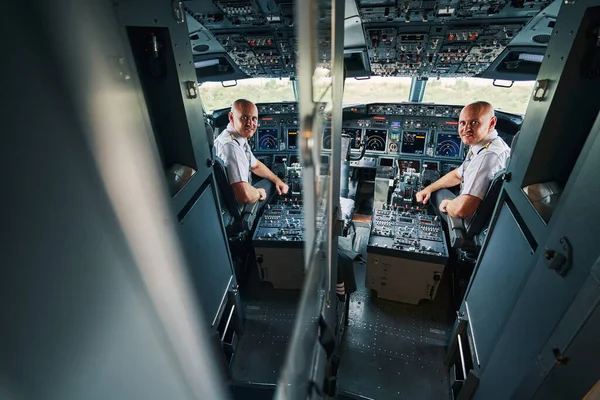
<point x="423" y="38"/>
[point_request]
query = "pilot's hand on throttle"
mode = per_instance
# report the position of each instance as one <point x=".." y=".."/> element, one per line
<point x="423" y="196"/>
<point x="443" y="205"/>
<point x="262" y="194"/>
<point x="281" y="187"/>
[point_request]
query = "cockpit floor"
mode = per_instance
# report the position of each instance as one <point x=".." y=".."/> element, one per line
<point x="389" y="350"/>
<point x="392" y="350"/>
<point x="269" y="321"/>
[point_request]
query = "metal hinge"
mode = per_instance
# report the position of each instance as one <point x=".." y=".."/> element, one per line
<point x="192" y="89"/>
<point x="540" y="89"/>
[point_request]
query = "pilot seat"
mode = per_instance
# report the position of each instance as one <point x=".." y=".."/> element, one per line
<point x="238" y="221"/>
<point x="467" y="237"/>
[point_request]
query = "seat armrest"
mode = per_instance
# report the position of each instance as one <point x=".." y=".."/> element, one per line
<point x="249" y="213"/>
<point x="456" y="230"/>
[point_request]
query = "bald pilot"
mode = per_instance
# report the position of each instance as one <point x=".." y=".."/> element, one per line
<point x="232" y="147"/>
<point x="487" y="155"/>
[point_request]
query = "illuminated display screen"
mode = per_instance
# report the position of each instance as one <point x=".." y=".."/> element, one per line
<point x="395" y="131"/>
<point x="413" y="142"/>
<point x="268" y="139"/>
<point x="355" y="134"/>
<point x="327" y="139"/>
<point x="448" y="145"/>
<point x="403" y="165"/>
<point x="292" y="139"/>
<point x="376" y="139"/>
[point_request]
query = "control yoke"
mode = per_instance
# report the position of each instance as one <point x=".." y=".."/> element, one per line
<point x="346" y="140"/>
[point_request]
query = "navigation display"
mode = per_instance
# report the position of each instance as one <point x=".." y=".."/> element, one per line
<point x="268" y="139"/>
<point x="448" y="145"/>
<point x="292" y="139"/>
<point x="403" y="165"/>
<point x="413" y="142"/>
<point x="355" y="134"/>
<point x="376" y="139"/>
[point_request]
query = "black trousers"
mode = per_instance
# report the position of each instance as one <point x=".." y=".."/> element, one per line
<point x="437" y="197"/>
<point x="346" y="272"/>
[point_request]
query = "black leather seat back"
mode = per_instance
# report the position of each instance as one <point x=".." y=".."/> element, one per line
<point x="225" y="192"/>
<point x="227" y="196"/>
<point x="482" y="216"/>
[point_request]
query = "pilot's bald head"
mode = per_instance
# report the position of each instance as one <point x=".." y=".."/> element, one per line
<point x="481" y="107"/>
<point x="476" y="121"/>
<point x="244" y="117"/>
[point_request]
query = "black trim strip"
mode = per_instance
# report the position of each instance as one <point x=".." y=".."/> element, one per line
<point x="521" y="224"/>
<point x="188" y="206"/>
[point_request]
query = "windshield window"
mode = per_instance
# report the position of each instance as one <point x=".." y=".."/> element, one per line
<point x="461" y="91"/>
<point x="376" y="90"/>
<point x="257" y="90"/>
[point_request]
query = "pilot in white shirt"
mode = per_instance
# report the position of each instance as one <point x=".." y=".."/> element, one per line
<point x="487" y="155"/>
<point x="232" y="147"/>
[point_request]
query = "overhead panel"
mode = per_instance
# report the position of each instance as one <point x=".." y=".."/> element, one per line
<point x="423" y="38"/>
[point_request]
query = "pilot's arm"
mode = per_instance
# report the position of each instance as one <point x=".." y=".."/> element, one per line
<point x="477" y="179"/>
<point x="237" y="172"/>
<point x="263" y="171"/>
<point x="451" y="179"/>
<point x="246" y="193"/>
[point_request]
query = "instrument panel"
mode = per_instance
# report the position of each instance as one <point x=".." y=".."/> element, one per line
<point x="422" y="130"/>
<point x="426" y="135"/>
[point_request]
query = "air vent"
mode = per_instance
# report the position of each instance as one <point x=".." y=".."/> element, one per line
<point x="541" y="39"/>
<point x="201" y="48"/>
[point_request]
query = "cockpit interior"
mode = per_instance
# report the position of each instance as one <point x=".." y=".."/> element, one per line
<point x="344" y="287"/>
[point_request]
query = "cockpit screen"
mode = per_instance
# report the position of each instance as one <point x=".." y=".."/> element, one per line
<point x="413" y="142"/>
<point x="403" y="165"/>
<point x="355" y="135"/>
<point x="268" y="139"/>
<point x="448" y="145"/>
<point x="292" y="139"/>
<point x="376" y="139"/>
<point x="294" y="160"/>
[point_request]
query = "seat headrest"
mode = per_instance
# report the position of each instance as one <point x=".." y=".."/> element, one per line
<point x="210" y="134"/>
<point x="513" y="143"/>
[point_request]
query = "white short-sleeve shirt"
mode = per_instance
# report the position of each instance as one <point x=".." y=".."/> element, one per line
<point x="236" y="154"/>
<point x="483" y="161"/>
